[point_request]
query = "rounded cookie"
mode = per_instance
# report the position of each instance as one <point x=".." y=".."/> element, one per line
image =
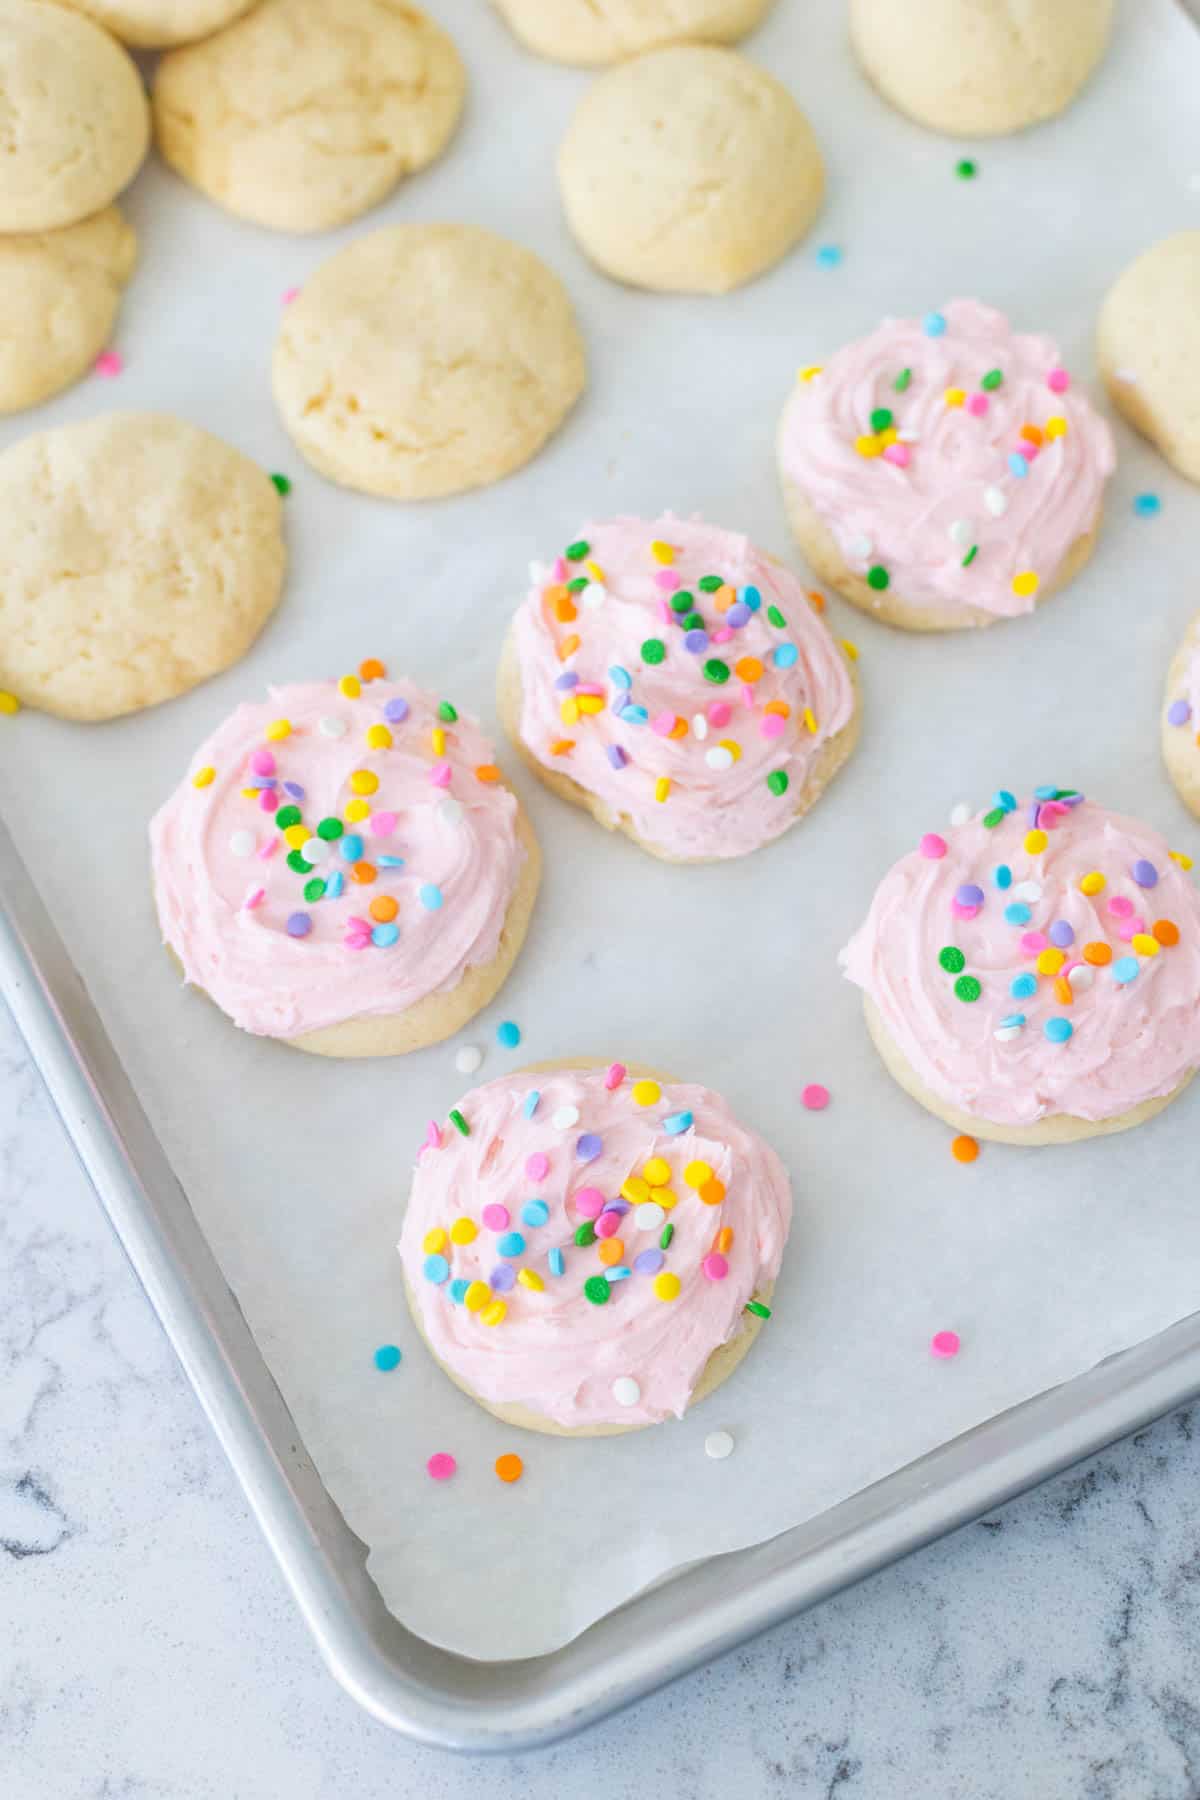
<point x="675" y="682"/>
<point x="1181" y="719"/>
<point x="978" y="68"/>
<point x="1033" y="975"/>
<point x="302" y="115"/>
<point x="944" y="471"/>
<point x="76" y="123"/>
<point x="344" y="867"/>
<point x="427" y="359"/>
<point x="578" y="31"/>
<point x="589" y="1248"/>
<point x="61" y="293"/>
<point x="1148" y="344"/>
<point x="689" y="171"/>
<point x="142" y="556"/>
<point x="159" y="24"/>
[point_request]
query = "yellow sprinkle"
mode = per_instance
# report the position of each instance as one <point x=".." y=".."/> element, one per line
<point x="350" y="686"/>
<point x="9" y="703"/>
<point x="1094" y="883"/>
<point x="662" y="553"/>
<point x="810" y="720"/>
<point x="888" y="438"/>
<point x="1144" y="944"/>
<point x="357" y="811"/>
<point x="296" y="835"/>
<point x="868" y="445"/>
<point x="364" y="781"/>
<point x="645" y="1093"/>
<point x="590" y="703"/>
<point x="477" y="1295"/>
<point x="809" y="370"/>
<point x="665" y="1197"/>
<point x="954" y="396"/>
<point x="379" y="738"/>
<point x="635" y="1190"/>
<point x="662" y="787"/>
<point x="529" y="1278"/>
<point x="437" y="738"/>
<point x="666" y="1286"/>
<point x="696" y="1174"/>
<point x="733" y="747"/>
<point x="434" y="1242"/>
<point x="1056" y="427"/>
<point x="203" y="777"/>
<point x="250" y="793"/>
<point x="1050" y="960"/>
<point x="595" y="571"/>
<point x="495" y="1314"/>
<point x="1035" y="842"/>
<point x="850" y="649"/>
<point x="1181" y="857"/>
<point x="464" y="1231"/>
<point x="1025" y="584"/>
<point x="278" y="728"/>
<point x="656" y="1171"/>
<point x="568" y="712"/>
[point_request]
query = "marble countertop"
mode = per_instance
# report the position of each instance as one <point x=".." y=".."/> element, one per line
<point x="150" y="1652"/>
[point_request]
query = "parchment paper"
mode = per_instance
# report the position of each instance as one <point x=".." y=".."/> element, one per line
<point x="1044" y="1261"/>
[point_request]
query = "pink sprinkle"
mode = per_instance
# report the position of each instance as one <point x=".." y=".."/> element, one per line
<point x="433" y="1136"/>
<point x="1058" y="381"/>
<point x="440" y="774"/>
<point x="747" y="694"/>
<point x="1050" y="812"/>
<point x="383" y="824"/>
<point x="1028" y="451"/>
<point x="721" y="635"/>
<point x="1120" y="907"/>
<point x="268" y="850"/>
<point x="771" y="725"/>
<point x="815" y="1097"/>
<point x="1033" y="941"/>
<point x="496" y="1217"/>
<point x="588" y="687"/>
<point x="932" y="846"/>
<point x="665" y="613"/>
<point x="537" y="1166"/>
<point x="608" y="1224"/>
<point x="945" y="1343"/>
<point x="720" y="713"/>
<point x="667" y="580"/>
<point x="977" y="405"/>
<point x="959" y="911"/>
<point x="441" y="1466"/>
<point x="897" y="454"/>
<point x="715" y="1266"/>
<point x="254" y="898"/>
<point x="589" y="1203"/>
<point x="559" y="571"/>
<point x="262" y="763"/>
<point x="268" y="800"/>
<point x="288" y="295"/>
<point x="663" y="724"/>
<point x="109" y="363"/>
<point x="356" y="940"/>
<point x="1129" y="928"/>
<point x="615" y="1075"/>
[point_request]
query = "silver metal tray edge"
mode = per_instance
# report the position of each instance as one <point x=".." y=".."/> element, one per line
<point x="429" y="1694"/>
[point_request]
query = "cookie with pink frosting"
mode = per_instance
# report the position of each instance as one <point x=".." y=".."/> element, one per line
<point x="944" y="471"/>
<point x="344" y="867"/>
<point x="677" y="683"/>
<point x="589" y="1248"/>
<point x="1181" y="719"/>
<point x="1033" y="974"/>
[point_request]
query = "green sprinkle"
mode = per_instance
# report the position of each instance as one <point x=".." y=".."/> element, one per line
<point x="996" y="817"/>
<point x="903" y="381"/>
<point x="459" y="1123"/>
<point x="596" y="1289"/>
<point x="777" y="781"/>
<point x="758" y="1309"/>
<point x="654" y="650"/>
<point x="314" y="890"/>
<point x="694" y="622"/>
<point x="446" y="712"/>
<point x="966" y="170"/>
<point x="992" y="380"/>
<point x="967" y="988"/>
<point x="878" y="577"/>
<point x="668" y="1232"/>
<point x="287" y="815"/>
<point x="282" y="484"/>
<point x="952" y="959"/>
<point x="297" y="864"/>
<point x="776" y="617"/>
<point x="710" y="583"/>
<point x="681" y="601"/>
<point x="881" y="418"/>
<point x="716" y="670"/>
<point x="329" y="829"/>
<point x="577" y="551"/>
<point x="585" y="1235"/>
<point x="969" y="558"/>
<point x="577" y="584"/>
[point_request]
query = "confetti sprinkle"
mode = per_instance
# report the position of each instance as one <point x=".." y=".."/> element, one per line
<point x="468" y="1059"/>
<point x="829" y="256"/>
<point x="282" y="484"/>
<point x="509" y="1467"/>
<point x="1147" y="506"/>
<point x="508" y="1035"/>
<point x="718" y="1445"/>
<point x="815" y="1097"/>
<point x="945" y="1343"/>
<point x="109" y="363"/>
<point x="387" y="1358"/>
<point x="964" y="1149"/>
<point x="441" y="1465"/>
<point x="966" y="169"/>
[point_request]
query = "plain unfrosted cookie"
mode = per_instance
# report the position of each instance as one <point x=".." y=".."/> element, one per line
<point x="141" y="556"/>
<point x="980" y="68"/>
<point x="61" y="292"/>
<point x="427" y="359"/>
<point x="74" y="124"/>
<point x="157" y="24"/>
<point x="689" y="171"/>
<point x="1148" y="343"/>
<point x="579" y="31"/>
<point x="1181" y="719"/>
<point x="303" y="114"/>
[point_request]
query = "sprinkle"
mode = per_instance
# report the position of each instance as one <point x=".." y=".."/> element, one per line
<point x="1025" y="584"/>
<point x="903" y="381"/>
<point x="777" y="781"/>
<point x="653" y="651"/>
<point x="535" y="1213"/>
<point x="1035" y="842"/>
<point x="809" y="371"/>
<point x="815" y="1097"/>
<point x="509" y="1467"/>
<point x="964" y="1149"/>
<point x="529" y="1278"/>
<point x="933" y="324"/>
<point x="1058" y="381"/>
<point x="596" y="1289"/>
<point x="969" y="558"/>
<point x="945" y="1343"/>
<point x="1097" y="953"/>
<point x="954" y="396"/>
<point x="1144" y="943"/>
<point x="436" y="1269"/>
<point x="429" y="896"/>
<point x="562" y="1119"/>
<point x="829" y="256"/>
<point x="299" y="924"/>
<point x="1125" y="969"/>
<point x="614" y="1075"/>
<point x="966" y="169"/>
<point x="1178" y="713"/>
<point x="625" y="1391"/>
<point x="477" y="1296"/>
<point x="556" y="1261"/>
<point x="10" y="706"/>
<point x="277" y="730"/>
<point x="646" y="1093"/>
<point x="387" y="1358"/>
<point x="662" y="788"/>
<point x="384" y="936"/>
<point x="967" y="989"/>
<point x="577" y="551"/>
<point x="459" y="1123"/>
<point x="932" y="846"/>
<point x="1147" y="506"/>
<point x="1165" y="931"/>
<point x="110" y="363"/>
<point x="508" y="1035"/>
<point x="677" y="1123"/>
<point x="758" y="1309"/>
<point x="395" y="711"/>
<point x="441" y="1466"/>
<point x="667" y="1285"/>
<point x="1144" y="873"/>
<point x="1018" y="464"/>
<point x="1058" y="1030"/>
<point x="282" y="484"/>
<point x="588" y="1202"/>
<point x="332" y="728"/>
<point x="589" y="1147"/>
<point x="718" y="1445"/>
<point x="877" y="577"/>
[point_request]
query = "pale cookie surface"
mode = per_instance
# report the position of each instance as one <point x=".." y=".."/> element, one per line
<point x="1148" y="343"/>
<point x="676" y="682"/>
<point x="304" y="114"/>
<point x="581" y="1258"/>
<point x="1181" y="719"/>
<point x="944" y="471"/>
<point x="427" y="359"/>
<point x="1035" y="970"/>
<point x="344" y="868"/>
<point x="61" y="292"/>
<point x="583" y="32"/>
<point x="76" y="123"/>
<point x="158" y="24"/>
<point x="689" y="170"/>
<point x="142" y="556"/>
<point x="980" y="67"/>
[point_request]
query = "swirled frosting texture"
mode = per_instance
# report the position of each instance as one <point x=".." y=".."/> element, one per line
<point x="1023" y="978"/>
<point x="687" y="657"/>
<point x="555" y="1350"/>
<point x="964" y="471"/>
<point x="436" y="843"/>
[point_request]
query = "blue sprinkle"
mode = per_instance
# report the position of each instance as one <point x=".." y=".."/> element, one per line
<point x="508" y="1035"/>
<point x="429" y="896"/>
<point x="1147" y="505"/>
<point x="458" y="1290"/>
<point x="1002" y="875"/>
<point x="387" y="1357"/>
<point x="531" y="1103"/>
<point x="1058" y="1030"/>
<point x="1012" y="1019"/>
<point x="383" y="936"/>
<point x="1023" y="986"/>
<point x="351" y="847"/>
<point x="678" y="1122"/>
<point x="396" y="711"/>
<point x="567" y="681"/>
<point x="1124" y="969"/>
<point x="829" y="256"/>
<point x="335" y="883"/>
<point x="1045" y="793"/>
<point x="695" y="641"/>
<point x="620" y="677"/>
<point x="294" y="789"/>
<point x="635" y="715"/>
<point x="620" y="1273"/>
<point x="617" y="756"/>
<point x="1005" y="799"/>
<point x="785" y="656"/>
<point x="934" y="324"/>
<point x="751" y="598"/>
<point x="534" y="1213"/>
<point x="1017" y="913"/>
<point x="1017" y="464"/>
<point x="511" y="1244"/>
<point x="437" y="1269"/>
<point x="556" y="1261"/>
<point x="387" y="862"/>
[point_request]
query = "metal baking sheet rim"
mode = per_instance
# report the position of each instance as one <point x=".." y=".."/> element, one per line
<point x="429" y="1694"/>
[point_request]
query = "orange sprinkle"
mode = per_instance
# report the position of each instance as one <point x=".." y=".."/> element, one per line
<point x="1166" y="931"/>
<point x="372" y="669"/>
<point x="778" y="706"/>
<point x="964" y="1149"/>
<point x="818" y="600"/>
<point x="610" y="1250"/>
<point x="1098" y="954"/>
<point x="363" y="872"/>
<point x="558" y="590"/>
<point x="562" y="746"/>
<point x="1062" y="990"/>
<point x="724" y="597"/>
<point x="725" y="1239"/>
<point x="510" y="1467"/>
<point x="748" y="668"/>
<point x="679" y="728"/>
<point x="1032" y="434"/>
<point x="487" y="772"/>
<point x="569" y="646"/>
<point x="565" y="609"/>
<point x="383" y="908"/>
<point x="713" y="1191"/>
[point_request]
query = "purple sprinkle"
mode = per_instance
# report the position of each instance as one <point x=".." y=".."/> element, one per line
<point x="617" y="756"/>
<point x="299" y="924"/>
<point x="617" y="1206"/>
<point x="969" y="895"/>
<point x="502" y="1278"/>
<point x="567" y="680"/>
<point x="1178" y="713"/>
<point x="589" y="1146"/>
<point x="396" y="711"/>
<point x="1061" y="934"/>
<point x="294" y="789"/>
<point x="1144" y="873"/>
<point x="695" y="641"/>
<point x="1034" y="810"/>
<point x="1071" y="800"/>
<point x="738" y="615"/>
<point x="649" y="1262"/>
<point x="261" y="781"/>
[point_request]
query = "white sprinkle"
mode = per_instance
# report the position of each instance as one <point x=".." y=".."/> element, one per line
<point x="1081" y="978"/>
<point x="1006" y="1033"/>
<point x="996" y="501"/>
<point x="316" y="849"/>
<point x="594" y="595"/>
<point x="718" y="1445"/>
<point x="700" y="726"/>
<point x="1128" y="376"/>
<point x="564" y="1118"/>
<point x="860" y="546"/>
<point x="960" y="814"/>
<point x="718" y="757"/>
<point x="331" y="727"/>
<point x="1026" y="890"/>
<point x="468" y="1059"/>
<point x="242" y="843"/>
<point x="649" y="1216"/>
<point x="625" y="1391"/>
<point x="962" y="531"/>
<point x="450" y="809"/>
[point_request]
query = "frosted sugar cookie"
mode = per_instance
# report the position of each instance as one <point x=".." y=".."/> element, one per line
<point x="1148" y="343"/>
<point x="676" y="682"/>
<point x="1033" y="975"/>
<point x="589" y="1248"/>
<point x="61" y="293"/>
<point x="577" y="31"/>
<point x="344" y="868"/>
<point x="944" y="471"/>
<point x="158" y="24"/>
<point x="1181" y="719"/>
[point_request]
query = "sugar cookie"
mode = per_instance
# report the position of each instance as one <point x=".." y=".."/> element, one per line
<point x="159" y="24"/>
<point x="1181" y="719"/>
<point x="578" y="31"/>
<point x="1148" y="344"/>
<point x="302" y="115"/>
<point x="944" y="471"/>
<point x="141" y="556"/>
<point x="1034" y="975"/>
<point x="345" y="869"/>
<point x="689" y="171"/>
<point x="589" y="1248"/>
<point x="427" y="359"/>
<point x="978" y="68"/>
<point x="677" y="683"/>
<point x="61" y="292"/>
<point x="76" y="124"/>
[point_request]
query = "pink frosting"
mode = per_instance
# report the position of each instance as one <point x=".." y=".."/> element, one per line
<point x="731" y="735"/>
<point x="1135" y="1020"/>
<point x="918" y="507"/>
<point x="572" y="1148"/>
<point x="226" y="893"/>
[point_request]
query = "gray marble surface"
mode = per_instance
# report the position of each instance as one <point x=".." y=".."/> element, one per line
<point x="148" y="1650"/>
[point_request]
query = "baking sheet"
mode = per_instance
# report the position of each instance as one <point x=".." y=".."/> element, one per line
<point x="1043" y="1262"/>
